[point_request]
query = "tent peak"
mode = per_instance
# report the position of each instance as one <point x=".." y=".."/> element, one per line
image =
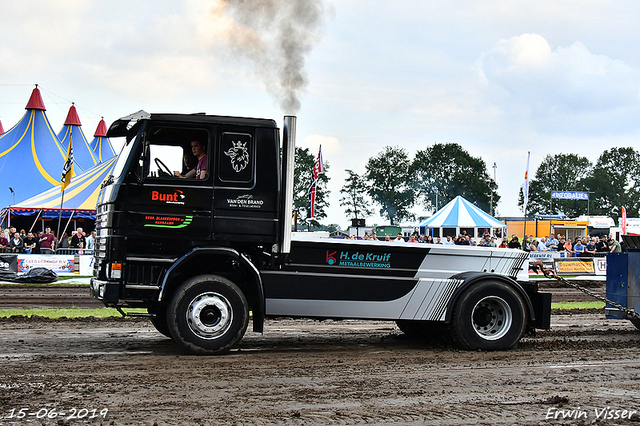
<point x="1" y="128"/>
<point x="72" y="117"/>
<point x="101" y="130"/>
<point x="35" y="101"/>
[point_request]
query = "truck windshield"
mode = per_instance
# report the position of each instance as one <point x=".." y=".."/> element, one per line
<point x="121" y="162"/>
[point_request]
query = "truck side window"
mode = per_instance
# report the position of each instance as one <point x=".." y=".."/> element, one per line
<point x="176" y="153"/>
<point x="236" y="159"/>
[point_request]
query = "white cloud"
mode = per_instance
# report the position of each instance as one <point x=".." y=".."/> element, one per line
<point x="560" y="89"/>
<point x="330" y="145"/>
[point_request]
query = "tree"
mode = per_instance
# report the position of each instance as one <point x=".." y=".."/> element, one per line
<point x="560" y="172"/>
<point x="390" y="182"/>
<point x="303" y="178"/>
<point x="353" y="196"/>
<point x="614" y="183"/>
<point x="444" y="171"/>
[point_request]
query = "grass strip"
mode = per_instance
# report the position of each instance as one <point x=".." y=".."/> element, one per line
<point x="110" y="312"/>
<point x="577" y="305"/>
<point x="66" y="312"/>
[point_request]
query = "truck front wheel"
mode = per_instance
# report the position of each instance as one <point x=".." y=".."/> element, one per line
<point x="208" y="315"/>
<point x="490" y="315"/>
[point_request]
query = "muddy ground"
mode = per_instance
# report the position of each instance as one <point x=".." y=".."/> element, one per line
<point x="306" y="372"/>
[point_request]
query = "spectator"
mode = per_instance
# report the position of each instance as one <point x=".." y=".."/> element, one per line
<point x="30" y="243"/>
<point x="439" y="241"/>
<point x="514" y="243"/>
<point x="534" y="245"/>
<point x="504" y="243"/>
<point x="615" y="246"/>
<point x="542" y="246"/>
<point x="578" y="248"/>
<point x="64" y="240"/>
<point x="91" y="241"/>
<point x="602" y="246"/>
<point x="526" y="242"/>
<point x="387" y="238"/>
<point x="429" y="240"/>
<point x="78" y="240"/>
<point x="590" y="248"/>
<point x="15" y="244"/>
<point x="4" y="243"/>
<point x="47" y="241"/>
<point x="23" y="234"/>
<point x="486" y="239"/>
<point x="374" y="237"/>
<point x="492" y="242"/>
<point x="552" y="243"/>
<point x="412" y="239"/>
<point x="448" y="241"/>
<point x="399" y="239"/>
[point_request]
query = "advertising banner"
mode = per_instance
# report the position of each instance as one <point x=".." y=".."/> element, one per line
<point x="60" y="264"/>
<point x="570" y="195"/>
<point x="574" y="266"/>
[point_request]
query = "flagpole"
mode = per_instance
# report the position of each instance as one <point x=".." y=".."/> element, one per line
<point x="525" y="193"/>
<point x="59" y="219"/>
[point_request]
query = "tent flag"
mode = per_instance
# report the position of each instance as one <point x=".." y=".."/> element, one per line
<point x="525" y="188"/>
<point x="318" y="169"/>
<point x="1" y="128"/>
<point x="67" y="169"/>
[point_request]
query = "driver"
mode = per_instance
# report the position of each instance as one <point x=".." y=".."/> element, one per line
<point x="200" y="171"/>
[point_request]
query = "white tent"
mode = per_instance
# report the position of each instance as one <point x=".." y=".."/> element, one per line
<point x="459" y="214"/>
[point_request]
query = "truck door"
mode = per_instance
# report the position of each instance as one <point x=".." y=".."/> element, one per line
<point x="169" y="201"/>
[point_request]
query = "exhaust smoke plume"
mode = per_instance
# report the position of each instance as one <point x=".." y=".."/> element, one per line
<point x="275" y="35"/>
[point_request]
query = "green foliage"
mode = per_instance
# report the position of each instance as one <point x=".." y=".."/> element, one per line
<point x="353" y="198"/>
<point x="448" y="171"/>
<point x="614" y="183"/>
<point x="560" y="172"/>
<point x="303" y="178"/>
<point x="390" y="181"/>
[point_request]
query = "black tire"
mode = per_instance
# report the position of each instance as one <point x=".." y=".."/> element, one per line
<point x="422" y="330"/>
<point x="490" y="315"/>
<point x="160" y="321"/>
<point x="208" y="315"/>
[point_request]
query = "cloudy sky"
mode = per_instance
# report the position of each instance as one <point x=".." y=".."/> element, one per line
<point x="499" y="78"/>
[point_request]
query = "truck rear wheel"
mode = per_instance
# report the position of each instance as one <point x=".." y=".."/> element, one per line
<point x="490" y="315"/>
<point x="208" y="315"/>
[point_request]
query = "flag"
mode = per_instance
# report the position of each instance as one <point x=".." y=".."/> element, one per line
<point x="623" y="219"/>
<point x="525" y="188"/>
<point x="67" y="169"/>
<point x="318" y="169"/>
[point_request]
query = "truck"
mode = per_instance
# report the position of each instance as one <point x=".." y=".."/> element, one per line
<point x="204" y="256"/>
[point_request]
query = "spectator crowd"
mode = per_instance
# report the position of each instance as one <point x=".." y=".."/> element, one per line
<point x="580" y="247"/>
<point x="45" y="242"/>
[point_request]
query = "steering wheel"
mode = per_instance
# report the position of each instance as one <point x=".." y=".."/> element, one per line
<point x="163" y="170"/>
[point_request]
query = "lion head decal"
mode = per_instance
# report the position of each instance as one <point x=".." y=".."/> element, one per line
<point x="239" y="155"/>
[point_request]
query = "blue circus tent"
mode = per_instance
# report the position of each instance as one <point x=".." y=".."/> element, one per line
<point x="30" y="156"/>
<point x="83" y="155"/>
<point x="101" y="145"/>
<point x="80" y="196"/>
<point x="460" y="214"/>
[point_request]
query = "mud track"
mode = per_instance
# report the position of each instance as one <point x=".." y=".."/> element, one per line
<point x="308" y="372"/>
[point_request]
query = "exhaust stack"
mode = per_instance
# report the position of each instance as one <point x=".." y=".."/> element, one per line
<point x="288" y="165"/>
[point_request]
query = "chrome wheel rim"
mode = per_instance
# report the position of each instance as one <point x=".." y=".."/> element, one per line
<point x="209" y="315"/>
<point x="491" y="318"/>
